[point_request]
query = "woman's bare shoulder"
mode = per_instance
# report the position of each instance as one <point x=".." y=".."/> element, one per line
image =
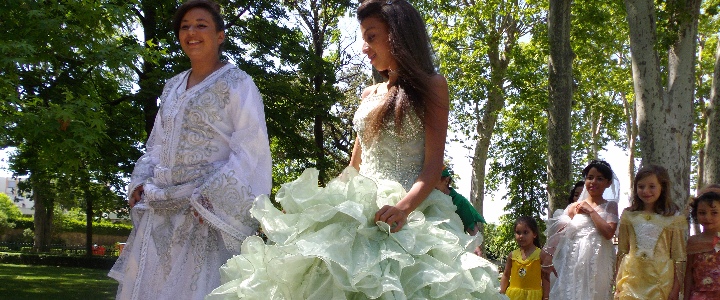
<point x="371" y="89"/>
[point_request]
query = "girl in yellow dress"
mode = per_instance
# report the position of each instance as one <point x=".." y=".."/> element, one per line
<point x="522" y="278"/>
<point x="651" y="240"/>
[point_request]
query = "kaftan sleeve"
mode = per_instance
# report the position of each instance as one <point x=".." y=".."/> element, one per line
<point x="145" y="165"/>
<point x="225" y="198"/>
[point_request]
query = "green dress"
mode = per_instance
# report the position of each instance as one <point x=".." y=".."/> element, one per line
<point x="326" y="245"/>
<point x="465" y="210"/>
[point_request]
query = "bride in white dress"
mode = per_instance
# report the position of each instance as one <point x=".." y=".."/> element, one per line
<point x="380" y="230"/>
<point x="579" y="252"/>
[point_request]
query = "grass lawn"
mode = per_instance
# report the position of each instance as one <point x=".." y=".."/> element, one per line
<point x="44" y="282"/>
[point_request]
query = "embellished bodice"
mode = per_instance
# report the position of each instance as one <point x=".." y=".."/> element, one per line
<point x="654" y="235"/>
<point x="706" y="275"/>
<point x="396" y="155"/>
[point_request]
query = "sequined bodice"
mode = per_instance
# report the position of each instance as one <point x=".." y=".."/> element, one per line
<point x="392" y="155"/>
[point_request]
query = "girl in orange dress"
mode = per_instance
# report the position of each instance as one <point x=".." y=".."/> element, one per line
<point x="523" y="278"/>
<point x="702" y="278"/>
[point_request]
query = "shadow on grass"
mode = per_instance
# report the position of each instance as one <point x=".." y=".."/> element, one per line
<point x="45" y="282"/>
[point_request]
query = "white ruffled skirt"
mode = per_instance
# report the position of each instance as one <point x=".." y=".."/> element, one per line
<point x="325" y="245"/>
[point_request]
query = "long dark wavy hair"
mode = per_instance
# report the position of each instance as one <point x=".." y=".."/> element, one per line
<point x="410" y="46"/>
<point x="664" y="205"/>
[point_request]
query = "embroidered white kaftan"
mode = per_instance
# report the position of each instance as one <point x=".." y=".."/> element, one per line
<point x="208" y="153"/>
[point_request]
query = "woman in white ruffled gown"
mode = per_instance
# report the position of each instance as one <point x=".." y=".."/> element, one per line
<point x="579" y="252"/>
<point x="380" y="230"/>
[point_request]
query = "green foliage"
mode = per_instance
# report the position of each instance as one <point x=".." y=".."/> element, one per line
<point x="500" y="239"/>
<point x="107" y="228"/>
<point x="603" y="77"/>
<point x="66" y="65"/>
<point x="24" y="223"/>
<point x="8" y="213"/>
<point x="70" y="224"/>
<point x="8" y="207"/>
<point x="5" y="223"/>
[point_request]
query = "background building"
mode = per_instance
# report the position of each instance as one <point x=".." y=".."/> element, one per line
<point x="8" y="185"/>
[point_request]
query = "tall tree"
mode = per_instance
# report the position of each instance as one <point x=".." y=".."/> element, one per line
<point x="560" y="104"/>
<point x="712" y="137"/>
<point x="319" y="22"/>
<point x="601" y="79"/>
<point x="665" y="114"/>
<point x="475" y="42"/>
<point x="59" y="109"/>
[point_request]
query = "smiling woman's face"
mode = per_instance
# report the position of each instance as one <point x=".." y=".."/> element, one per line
<point x="198" y="34"/>
<point x="377" y="43"/>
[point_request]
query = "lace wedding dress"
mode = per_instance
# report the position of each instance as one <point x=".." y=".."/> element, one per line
<point x="583" y="258"/>
<point x="325" y="245"/>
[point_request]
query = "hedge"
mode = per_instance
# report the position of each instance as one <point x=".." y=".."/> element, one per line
<point x="92" y="262"/>
<point x="73" y="225"/>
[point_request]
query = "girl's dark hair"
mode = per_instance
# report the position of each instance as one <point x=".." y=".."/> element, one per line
<point x="532" y="224"/>
<point x="664" y="205"/>
<point x="708" y="198"/>
<point x="602" y="166"/>
<point x="410" y="46"/>
<point x="571" y="197"/>
<point x="208" y="5"/>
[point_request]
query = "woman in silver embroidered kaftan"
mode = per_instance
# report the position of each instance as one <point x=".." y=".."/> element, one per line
<point x="207" y="158"/>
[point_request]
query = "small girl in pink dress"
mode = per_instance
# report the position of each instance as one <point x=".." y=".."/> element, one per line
<point x="702" y="278"/>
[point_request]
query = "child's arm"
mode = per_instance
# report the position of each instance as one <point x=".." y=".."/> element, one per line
<point x="689" y="270"/>
<point x="606" y="229"/>
<point x="675" y="292"/>
<point x="623" y="246"/>
<point x="545" y="277"/>
<point x="505" y="280"/>
<point x="688" y="278"/>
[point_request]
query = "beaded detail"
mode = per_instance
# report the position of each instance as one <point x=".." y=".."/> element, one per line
<point x="393" y="155"/>
<point x="647" y="233"/>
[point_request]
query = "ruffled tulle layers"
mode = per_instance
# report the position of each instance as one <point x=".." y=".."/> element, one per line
<point x="326" y="246"/>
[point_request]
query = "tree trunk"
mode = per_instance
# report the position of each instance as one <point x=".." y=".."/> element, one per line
<point x="496" y="100"/>
<point x="484" y="129"/>
<point x="665" y="118"/>
<point x="631" y="133"/>
<point x="149" y="87"/>
<point x="560" y="104"/>
<point x="319" y="147"/>
<point x="712" y="137"/>
<point x="88" y="226"/>
<point x="42" y="219"/>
